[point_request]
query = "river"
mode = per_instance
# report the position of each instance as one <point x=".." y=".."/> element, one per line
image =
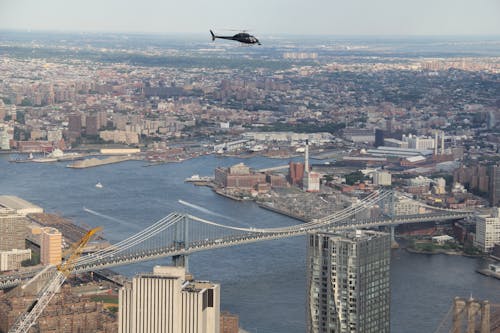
<point x="264" y="283"/>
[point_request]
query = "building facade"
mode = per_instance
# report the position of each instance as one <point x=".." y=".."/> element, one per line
<point x="229" y="323"/>
<point x="488" y="230"/>
<point x="382" y="178"/>
<point x="14" y="228"/>
<point x="238" y="176"/>
<point x="10" y="260"/>
<point x="348" y="282"/>
<point x="494" y="186"/>
<point x="169" y="301"/>
<point x="295" y="173"/>
<point x="50" y="246"/>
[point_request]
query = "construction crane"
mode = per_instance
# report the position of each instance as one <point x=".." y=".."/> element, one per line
<point x="59" y="275"/>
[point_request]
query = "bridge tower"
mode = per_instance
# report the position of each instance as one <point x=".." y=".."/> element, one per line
<point x="474" y="312"/>
<point x="387" y="206"/>
<point x="181" y="231"/>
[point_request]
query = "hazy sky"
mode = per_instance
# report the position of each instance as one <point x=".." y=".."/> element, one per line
<point x="332" y="17"/>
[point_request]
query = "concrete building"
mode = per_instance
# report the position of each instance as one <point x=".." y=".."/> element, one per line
<point x="488" y="230"/>
<point x="6" y="135"/>
<point x="395" y="143"/>
<point x="419" y="143"/>
<point x="359" y="134"/>
<point x="404" y="206"/>
<point x="169" y="301"/>
<point x="50" y="246"/>
<point x="14" y="228"/>
<point x="348" y="282"/>
<point x="440" y="186"/>
<point x="10" y="260"/>
<point x="382" y="178"/>
<point x="311" y="182"/>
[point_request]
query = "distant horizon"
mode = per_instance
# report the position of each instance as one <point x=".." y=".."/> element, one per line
<point x="234" y="31"/>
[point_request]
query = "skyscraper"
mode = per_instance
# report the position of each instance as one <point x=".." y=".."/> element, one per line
<point x="169" y="301"/>
<point x="348" y="282"/>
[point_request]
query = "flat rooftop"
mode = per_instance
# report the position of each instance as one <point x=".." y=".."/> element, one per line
<point x="21" y="206"/>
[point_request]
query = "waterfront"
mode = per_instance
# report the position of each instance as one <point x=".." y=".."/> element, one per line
<point x="264" y="283"/>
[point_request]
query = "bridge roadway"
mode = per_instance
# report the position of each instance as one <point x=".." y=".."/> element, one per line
<point x="11" y="280"/>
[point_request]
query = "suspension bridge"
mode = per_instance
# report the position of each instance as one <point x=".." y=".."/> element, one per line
<point x="178" y="234"/>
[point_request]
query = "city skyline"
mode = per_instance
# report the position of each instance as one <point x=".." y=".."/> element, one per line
<point x="388" y="17"/>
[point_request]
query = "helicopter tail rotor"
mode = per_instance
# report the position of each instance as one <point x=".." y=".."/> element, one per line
<point x="213" y="35"/>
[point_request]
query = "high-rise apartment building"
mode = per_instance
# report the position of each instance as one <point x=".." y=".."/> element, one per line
<point x="75" y="125"/>
<point x="494" y="187"/>
<point x="348" y="282"/>
<point x="169" y="301"/>
<point x="14" y="228"/>
<point x="488" y="230"/>
<point x="91" y="125"/>
<point x="50" y="246"/>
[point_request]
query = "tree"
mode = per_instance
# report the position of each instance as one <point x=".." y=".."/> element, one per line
<point x="354" y="177"/>
<point x="26" y="102"/>
<point x="20" y="118"/>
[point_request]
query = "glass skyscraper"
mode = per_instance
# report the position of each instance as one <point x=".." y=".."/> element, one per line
<point x="348" y="282"/>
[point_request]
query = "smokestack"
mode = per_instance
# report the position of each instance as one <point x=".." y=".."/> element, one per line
<point x="435" y="143"/>
<point x="306" y="158"/>
<point x="442" y="142"/>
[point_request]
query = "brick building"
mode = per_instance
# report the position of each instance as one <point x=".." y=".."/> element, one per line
<point x="238" y="176"/>
<point x="66" y="313"/>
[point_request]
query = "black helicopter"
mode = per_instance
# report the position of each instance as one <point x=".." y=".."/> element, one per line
<point x="241" y="37"/>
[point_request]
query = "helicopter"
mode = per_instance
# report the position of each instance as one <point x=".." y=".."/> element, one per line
<point x="241" y="37"/>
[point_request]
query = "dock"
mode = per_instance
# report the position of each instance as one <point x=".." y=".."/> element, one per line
<point x="491" y="271"/>
<point x="94" y="162"/>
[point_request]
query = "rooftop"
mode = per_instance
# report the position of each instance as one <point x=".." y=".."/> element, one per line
<point x="19" y="205"/>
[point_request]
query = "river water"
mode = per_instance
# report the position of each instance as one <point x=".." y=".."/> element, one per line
<point x="264" y="283"/>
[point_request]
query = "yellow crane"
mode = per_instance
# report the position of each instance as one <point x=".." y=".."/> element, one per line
<point x="35" y="309"/>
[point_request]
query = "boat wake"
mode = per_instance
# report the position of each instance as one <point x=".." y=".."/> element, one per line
<point x="207" y="211"/>
<point x="107" y="217"/>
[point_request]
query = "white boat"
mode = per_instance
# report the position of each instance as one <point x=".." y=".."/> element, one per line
<point x="98" y="185"/>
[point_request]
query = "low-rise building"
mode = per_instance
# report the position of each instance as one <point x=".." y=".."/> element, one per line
<point x="10" y="260"/>
<point x="382" y="178"/>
